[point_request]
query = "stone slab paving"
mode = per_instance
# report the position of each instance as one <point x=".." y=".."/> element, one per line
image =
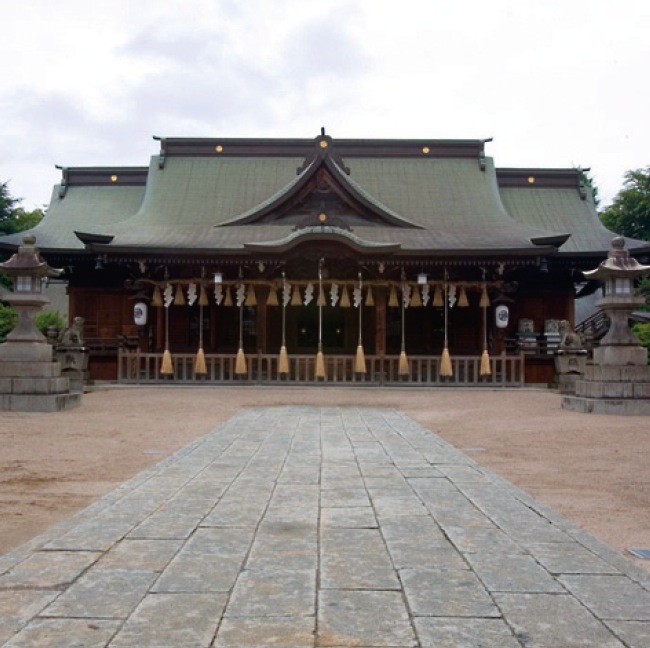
<point x="310" y="527"/>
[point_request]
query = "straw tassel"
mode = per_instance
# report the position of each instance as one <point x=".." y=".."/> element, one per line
<point x="370" y="300"/>
<point x="403" y="368"/>
<point x="437" y="297"/>
<point x="360" y="359"/>
<point x="156" y="299"/>
<point x="251" y="299"/>
<point x="445" y="363"/>
<point x="179" y="297"/>
<point x="392" y="298"/>
<point x="345" y="298"/>
<point x="296" y="299"/>
<point x="167" y="366"/>
<point x="199" y="364"/>
<point x="203" y="296"/>
<point x="228" y="298"/>
<point x="486" y="368"/>
<point x="321" y="301"/>
<point x="272" y="299"/>
<point x="416" y="298"/>
<point x="463" y="302"/>
<point x="320" y="364"/>
<point x="283" y="361"/>
<point x="485" y="300"/>
<point x="240" y="363"/>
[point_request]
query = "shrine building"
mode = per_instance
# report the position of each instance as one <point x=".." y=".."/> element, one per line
<point x="376" y="261"/>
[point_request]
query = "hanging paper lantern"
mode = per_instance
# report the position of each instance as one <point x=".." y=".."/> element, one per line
<point x="179" y="297"/>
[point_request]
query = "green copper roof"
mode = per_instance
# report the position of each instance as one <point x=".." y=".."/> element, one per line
<point x="563" y="208"/>
<point x="80" y="208"/>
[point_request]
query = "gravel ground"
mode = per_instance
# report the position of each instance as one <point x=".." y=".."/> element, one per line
<point x="594" y="469"/>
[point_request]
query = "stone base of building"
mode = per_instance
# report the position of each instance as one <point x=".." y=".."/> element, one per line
<point x="609" y="389"/>
<point x="35" y="387"/>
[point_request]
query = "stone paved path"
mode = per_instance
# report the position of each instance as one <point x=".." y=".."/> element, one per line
<point x="301" y="526"/>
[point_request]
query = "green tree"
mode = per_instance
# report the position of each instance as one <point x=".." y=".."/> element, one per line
<point x="629" y="214"/>
<point x="14" y="218"/>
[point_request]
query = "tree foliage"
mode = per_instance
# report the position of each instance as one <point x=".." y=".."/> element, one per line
<point x="14" y="218"/>
<point x="629" y="214"/>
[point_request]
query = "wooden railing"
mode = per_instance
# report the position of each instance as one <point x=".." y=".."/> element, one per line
<point x="135" y="367"/>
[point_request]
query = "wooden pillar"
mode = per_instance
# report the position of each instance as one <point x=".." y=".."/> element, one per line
<point x="380" y="321"/>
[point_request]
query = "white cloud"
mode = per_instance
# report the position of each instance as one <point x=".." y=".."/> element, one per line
<point x="556" y="83"/>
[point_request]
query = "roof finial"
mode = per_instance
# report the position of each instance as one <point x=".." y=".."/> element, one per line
<point x="322" y="131"/>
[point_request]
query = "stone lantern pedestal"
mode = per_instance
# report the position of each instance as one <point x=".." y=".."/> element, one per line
<point x="618" y="379"/>
<point x="30" y="378"/>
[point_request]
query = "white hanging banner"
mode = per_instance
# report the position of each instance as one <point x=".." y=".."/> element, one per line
<point x="426" y="289"/>
<point x="286" y="294"/>
<point x="168" y="295"/>
<point x="218" y="294"/>
<point x="452" y="295"/>
<point x="191" y="294"/>
<point x="406" y="295"/>
<point x="334" y="294"/>
<point x="240" y="294"/>
<point x="309" y="294"/>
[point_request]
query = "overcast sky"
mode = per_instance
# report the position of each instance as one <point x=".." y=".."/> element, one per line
<point x="556" y="83"/>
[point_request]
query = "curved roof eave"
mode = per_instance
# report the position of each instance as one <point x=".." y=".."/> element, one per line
<point x="320" y="234"/>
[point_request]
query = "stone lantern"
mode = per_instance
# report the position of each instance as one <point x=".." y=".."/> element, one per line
<point x="619" y="346"/>
<point x="618" y="380"/>
<point x="30" y="380"/>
